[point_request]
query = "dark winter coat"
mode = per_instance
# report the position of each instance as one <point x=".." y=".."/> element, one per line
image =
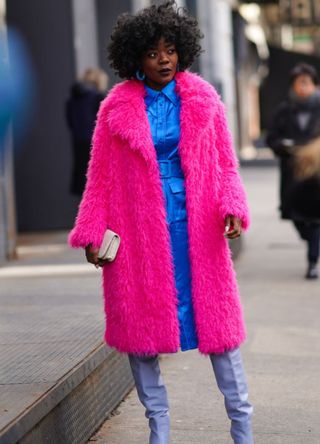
<point x="81" y="110"/>
<point x="300" y="200"/>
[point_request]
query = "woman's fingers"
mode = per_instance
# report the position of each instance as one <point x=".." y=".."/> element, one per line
<point x="92" y="255"/>
<point x="102" y="263"/>
<point x="233" y="234"/>
<point x="232" y="227"/>
<point x="227" y="223"/>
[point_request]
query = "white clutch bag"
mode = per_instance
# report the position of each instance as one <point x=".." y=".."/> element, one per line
<point x="109" y="246"/>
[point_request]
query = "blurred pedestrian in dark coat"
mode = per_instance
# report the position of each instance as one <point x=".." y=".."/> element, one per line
<point x="81" y="109"/>
<point x="294" y="136"/>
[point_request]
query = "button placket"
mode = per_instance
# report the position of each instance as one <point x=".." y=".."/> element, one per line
<point x="161" y="121"/>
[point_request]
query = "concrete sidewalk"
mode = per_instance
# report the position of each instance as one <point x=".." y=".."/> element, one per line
<point x="53" y="359"/>
<point x="281" y="355"/>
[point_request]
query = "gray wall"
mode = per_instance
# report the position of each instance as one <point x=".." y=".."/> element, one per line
<point x="43" y="162"/>
<point x="107" y="13"/>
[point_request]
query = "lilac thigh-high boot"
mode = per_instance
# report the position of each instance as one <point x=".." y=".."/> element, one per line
<point x="230" y="377"/>
<point x="153" y="395"/>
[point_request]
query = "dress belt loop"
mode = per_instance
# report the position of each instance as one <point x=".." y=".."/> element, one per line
<point x="170" y="168"/>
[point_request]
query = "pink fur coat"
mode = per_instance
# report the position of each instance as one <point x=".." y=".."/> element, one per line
<point x="124" y="192"/>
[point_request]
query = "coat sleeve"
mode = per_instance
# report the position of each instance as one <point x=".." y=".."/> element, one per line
<point x="232" y="196"/>
<point x="91" y="220"/>
<point x="276" y="133"/>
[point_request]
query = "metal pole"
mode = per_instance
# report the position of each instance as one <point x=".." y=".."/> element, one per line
<point x="85" y="35"/>
<point x="136" y="5"/>
<point x="217" y="63"/>
<point x="7" y="194"/>
<point x="139" y="4"/>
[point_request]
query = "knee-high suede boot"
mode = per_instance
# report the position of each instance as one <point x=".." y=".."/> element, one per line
<point x="153" y="395"/>
<point x="230" y="376"/>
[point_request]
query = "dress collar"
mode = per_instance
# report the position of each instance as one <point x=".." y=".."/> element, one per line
<point x="123" y="114"/>
<point x="168" y="91"/>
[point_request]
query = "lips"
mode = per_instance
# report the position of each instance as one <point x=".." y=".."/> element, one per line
<point x="165" y="71"/>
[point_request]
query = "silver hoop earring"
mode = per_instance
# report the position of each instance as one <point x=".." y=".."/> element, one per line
<point x="140" y="75"/>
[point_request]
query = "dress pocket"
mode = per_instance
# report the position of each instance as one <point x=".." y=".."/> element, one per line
<point x="178" y="199"/>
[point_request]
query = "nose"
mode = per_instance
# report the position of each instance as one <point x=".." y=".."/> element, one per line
<point x="163" y="58"/>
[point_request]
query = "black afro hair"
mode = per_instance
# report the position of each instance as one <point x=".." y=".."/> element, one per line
<point x="134" y="34"/>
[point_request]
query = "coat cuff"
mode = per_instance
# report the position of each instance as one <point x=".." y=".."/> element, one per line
<point x="237" y="210"/>
<point x="80" y="238"/>
<point x="233" y="198"/>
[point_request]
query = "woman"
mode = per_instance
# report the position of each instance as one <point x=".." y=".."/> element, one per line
<point x="163" y="175"/>
<point x="81" y="110"/>
<point x="296" y="123"/>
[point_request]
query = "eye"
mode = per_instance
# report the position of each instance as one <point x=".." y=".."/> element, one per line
<point x="171" y="50"/>
<point x="152" y="54"/>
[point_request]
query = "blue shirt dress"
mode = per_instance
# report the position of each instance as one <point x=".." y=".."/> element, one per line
<point x="163" y="109"/>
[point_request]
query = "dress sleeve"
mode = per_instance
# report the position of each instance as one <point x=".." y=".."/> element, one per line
<point x="232" y="196"/>
<point x="91" y="220"/>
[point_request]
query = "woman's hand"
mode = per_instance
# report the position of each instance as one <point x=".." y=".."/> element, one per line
<point x="232" y="227"/>
<point x="92" y="256"/>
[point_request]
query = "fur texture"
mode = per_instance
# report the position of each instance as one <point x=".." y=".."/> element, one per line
<point x="124" y="192"/>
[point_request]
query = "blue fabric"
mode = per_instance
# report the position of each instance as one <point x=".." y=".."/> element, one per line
<point x="163" y="109"/>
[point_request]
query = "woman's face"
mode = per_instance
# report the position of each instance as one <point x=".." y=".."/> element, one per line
<point x="159" y="64"/>
<point x="303" y="86"/>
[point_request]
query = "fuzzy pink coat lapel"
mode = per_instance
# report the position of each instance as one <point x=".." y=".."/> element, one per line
<point x="127" y="105"/>
<point x="124" y="192"/>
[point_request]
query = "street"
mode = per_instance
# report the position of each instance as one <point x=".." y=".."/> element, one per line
<point x="52" y="319"/>
<point x="281" y="354"/>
